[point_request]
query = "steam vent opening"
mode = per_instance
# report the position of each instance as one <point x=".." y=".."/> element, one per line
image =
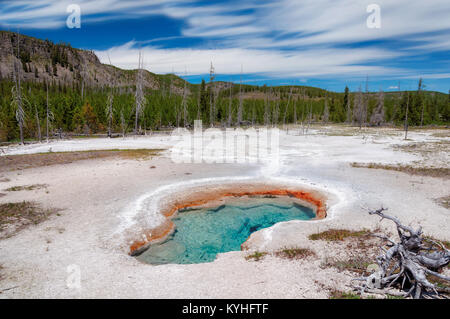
<point x="199" y="233"/>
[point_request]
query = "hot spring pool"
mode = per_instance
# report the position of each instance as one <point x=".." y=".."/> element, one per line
<point x="201" y="234"/>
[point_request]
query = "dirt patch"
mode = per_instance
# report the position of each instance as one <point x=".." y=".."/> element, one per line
<point x="16" y="216"/>
<point x="440" y="172"/>
<point x="19" y="162"/>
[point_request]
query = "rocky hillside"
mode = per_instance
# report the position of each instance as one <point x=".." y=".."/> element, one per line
<point x="42" y="60"/>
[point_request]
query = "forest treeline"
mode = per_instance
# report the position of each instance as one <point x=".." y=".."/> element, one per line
<point x="100" y="109"/>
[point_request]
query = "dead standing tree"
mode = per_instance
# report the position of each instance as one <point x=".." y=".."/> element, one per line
<point x="276" y="111"/>
<point x="212" y="111"/>
<point x="377" y="118"/>
<point x="139" y="95"/>
<point x="184" y="103"/>
<point x="239" y="113"/>
<point x="38" y="124"/>
<point x="286" y="109"/>
<point x="230" y="105"/>
<point x="349" y="111"/>
<point x="326" y="111"/>
<point x="407" y="264"/>
<point x="267" y="99"/>
<point x="358" y="112"/>
<point x="406" y="116"/>
<point x="109" y="112"/>
<point x="109" y="105"/>
<point x="16" y="92"/>
<point x="49" y="116"/>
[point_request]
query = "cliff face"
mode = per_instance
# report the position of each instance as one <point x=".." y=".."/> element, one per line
<point x="42" y="60"/>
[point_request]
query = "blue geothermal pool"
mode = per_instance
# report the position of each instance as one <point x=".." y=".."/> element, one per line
<point x="201" y="234"/>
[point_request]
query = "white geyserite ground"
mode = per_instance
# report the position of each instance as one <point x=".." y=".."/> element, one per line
<point x="102" y="199"/>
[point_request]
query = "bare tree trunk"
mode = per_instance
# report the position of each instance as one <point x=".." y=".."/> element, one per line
<point x="253" y="113"/>
<point x="47" y="115"/>
<point x="185" y="119"/>
<point x="212" y="111"/>
<point x="38" y="123"/>
<point x="349" y="111"/>
<point x="230" y="105"/>
<point x="326" y="112"/>
<point x="198" y="105"/>
<point x="286" y="108"/>
<point x="17" y="93"/>
<point x="266" y="107"/>
<point x="295" y="112"/>
<point x="140" y="98"/>
<point x="366" y="102"/>
<point x="109" y="113"/>
<point x="406" y="118"/>
<point x="122" y="123"/>
<point x="377" y="117"/>
<point x="276" y="112"/>
<point x="239" y="115"/>
<point x="407" y="264"/>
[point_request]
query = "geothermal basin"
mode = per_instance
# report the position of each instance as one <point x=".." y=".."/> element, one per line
<point x="220" y="220"/>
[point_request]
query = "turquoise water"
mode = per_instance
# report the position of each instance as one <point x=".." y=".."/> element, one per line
<point x="201" y="234"/>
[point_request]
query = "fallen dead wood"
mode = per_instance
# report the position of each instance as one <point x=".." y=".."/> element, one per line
<point x="407" y="265"/>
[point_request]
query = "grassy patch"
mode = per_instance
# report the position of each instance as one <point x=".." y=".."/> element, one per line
<point x="294" y="253"/>
<point x="16" y="216"/>
<point x="338" y="234"/>
<point x="256" y="256"/>
<point x="441" y="172"/>
<point x="26" y="187"/>
<point x="394" y="297"/>
<point x="336" y="294"/>
<point x="138" y="153"/>
<point x="443" y="201"/>
<point x="357" y="264"/>
<point x="18" y="162"/>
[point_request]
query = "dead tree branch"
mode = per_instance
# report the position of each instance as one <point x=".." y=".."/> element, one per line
<point x="408" y="265"/>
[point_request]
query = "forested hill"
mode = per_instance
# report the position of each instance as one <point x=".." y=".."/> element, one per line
<point x="60" y="64"/>
<point x="69" y="90"/>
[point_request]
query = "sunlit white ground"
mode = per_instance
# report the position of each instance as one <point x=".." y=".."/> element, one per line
<point x="102" y="200"/>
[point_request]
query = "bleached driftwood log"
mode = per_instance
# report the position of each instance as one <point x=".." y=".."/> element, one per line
<point x="407" y="264"/>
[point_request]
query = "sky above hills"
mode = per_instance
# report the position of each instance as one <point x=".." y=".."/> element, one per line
<point x="325" y="43"/>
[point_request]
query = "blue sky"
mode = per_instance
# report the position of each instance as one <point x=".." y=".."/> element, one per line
<point x="324" y="43"/>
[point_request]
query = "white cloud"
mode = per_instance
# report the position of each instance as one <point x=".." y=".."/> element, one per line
<point x="316" y="62"/>
<point x="257" y="33"/>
